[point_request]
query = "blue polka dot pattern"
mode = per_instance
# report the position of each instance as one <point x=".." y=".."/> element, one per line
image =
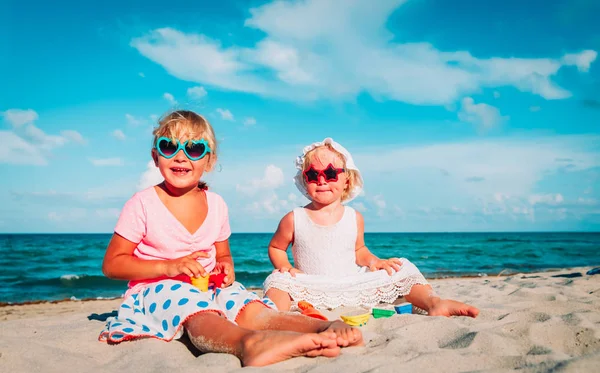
<point x="117" y="336"/>
<point x="183" y="301"/>
<point x="165" y="305"/>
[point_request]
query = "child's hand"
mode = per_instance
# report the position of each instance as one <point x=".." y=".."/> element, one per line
<point x="392" y="264"/>
<point x="227" y="269"/>
<point x="291" y="270"/>
<point x="187" y="264"/>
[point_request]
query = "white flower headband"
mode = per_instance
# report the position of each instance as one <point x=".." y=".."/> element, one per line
<point x="299" y="178"/>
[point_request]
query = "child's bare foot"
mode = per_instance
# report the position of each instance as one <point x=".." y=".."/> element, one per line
<point x="449" y="307"/>
<point x="268" y="347"/>
<point x="347" y="336"/>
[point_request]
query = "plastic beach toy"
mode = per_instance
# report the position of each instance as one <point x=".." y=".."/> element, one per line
<point x="403" y="308"/>
<point x="310" y="311"/>
<point x="356" y="320"/>
<point x="200" y="282"/>
<point x="379" y="312"/>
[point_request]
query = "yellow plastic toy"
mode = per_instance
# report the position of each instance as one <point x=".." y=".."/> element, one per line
<point x="356" y="320"/>
<point x="200" y="282"/>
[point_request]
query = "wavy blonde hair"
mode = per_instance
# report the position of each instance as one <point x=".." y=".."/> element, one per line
<point x="186" y="124"/>
<point x="352" y="176"/>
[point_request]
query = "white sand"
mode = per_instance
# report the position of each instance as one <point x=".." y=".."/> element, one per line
<point x="530" y="322"/>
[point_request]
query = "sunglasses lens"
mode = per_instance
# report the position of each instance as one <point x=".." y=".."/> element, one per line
<point x="195" y="150"/>
<point x="330" y="173"/>
<point x="311" y="175"/>
<point x="167" y="147"/>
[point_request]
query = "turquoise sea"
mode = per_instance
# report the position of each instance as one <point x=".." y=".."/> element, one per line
<point x="36" y="267"/>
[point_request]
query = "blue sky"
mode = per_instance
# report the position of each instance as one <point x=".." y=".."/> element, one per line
<point x="462" y="116"/>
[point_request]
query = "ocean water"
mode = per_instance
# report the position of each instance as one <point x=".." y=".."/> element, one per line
<point x="36" y="267"/>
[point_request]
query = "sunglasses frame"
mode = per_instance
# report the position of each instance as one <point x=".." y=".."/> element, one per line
<point x="183" y="146"/>
<point x="322" y="173"/>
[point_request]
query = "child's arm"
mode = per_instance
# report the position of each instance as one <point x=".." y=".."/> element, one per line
<point x="365" y="258"/>
<point x="279" y="244"/>
<point x="225" y="262"/>
<point x="120" y="263"/>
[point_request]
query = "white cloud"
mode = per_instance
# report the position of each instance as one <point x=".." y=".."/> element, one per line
<point x="18" y="117"/>
<point x="249" y="122"/>
<point x="18" y="151"/>
<point x="67" y="215"/>
<point x="510" y="166"/>
<point x="150" y="177"/>
<point x="548" y="199"/>
<point x="270" y="204"/>
<point x="108" y="213"/>
<point x="582" y="60"/>
<point x="320" y="50"/>
<point x="482" y="115"/>
<point x="74" y="136"/>
<point x="107" y="162"/>
<point x="141" y="75"/>
<point x="197" y="92"/>
<point x="225" y="114"/>
<point x="170" y="99"/>
<point x="272" y="179"/>
<point x="133" y="121"/>
<point x="118" y="134"/>
<point x="359" y="206"/>
<point x="28" y="144"/>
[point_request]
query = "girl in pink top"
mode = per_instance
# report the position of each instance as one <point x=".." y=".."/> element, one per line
<point x="177" y="230"/>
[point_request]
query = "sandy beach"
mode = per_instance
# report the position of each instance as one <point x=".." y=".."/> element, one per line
<point x="533" y="322"/>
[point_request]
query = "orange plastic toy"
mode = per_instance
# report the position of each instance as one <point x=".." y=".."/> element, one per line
<point x="310" y="311"/>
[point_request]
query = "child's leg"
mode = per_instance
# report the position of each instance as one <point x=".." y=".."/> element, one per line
<point x="424" y="297"/>
<point x="210" y="332"/>
<point x="282" y="300"/>
<point x="258" y="317"/>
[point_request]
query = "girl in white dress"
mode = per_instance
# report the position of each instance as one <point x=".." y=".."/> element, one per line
<point x="333" y="267"/>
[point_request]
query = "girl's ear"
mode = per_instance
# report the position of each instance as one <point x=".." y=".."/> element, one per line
<point x="154" y="157"/>
<point x="212" y="160"/>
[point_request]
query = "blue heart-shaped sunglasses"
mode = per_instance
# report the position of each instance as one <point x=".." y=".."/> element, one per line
<point x="193" y="149"/>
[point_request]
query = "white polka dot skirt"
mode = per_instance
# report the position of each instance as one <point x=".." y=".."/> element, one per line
<point x="160" y="309"/>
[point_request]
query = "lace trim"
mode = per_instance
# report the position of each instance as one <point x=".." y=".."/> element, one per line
<point x="358" y="296"/>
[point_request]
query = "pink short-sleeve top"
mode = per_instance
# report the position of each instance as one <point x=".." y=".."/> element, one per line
<point x="160" y="236"/>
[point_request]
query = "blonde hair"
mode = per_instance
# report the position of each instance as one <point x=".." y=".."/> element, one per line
<point x="191" y="126"/>
<point x="352" y="177"/>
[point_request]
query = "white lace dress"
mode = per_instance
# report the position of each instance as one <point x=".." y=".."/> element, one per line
<point x="331" y="278"/>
